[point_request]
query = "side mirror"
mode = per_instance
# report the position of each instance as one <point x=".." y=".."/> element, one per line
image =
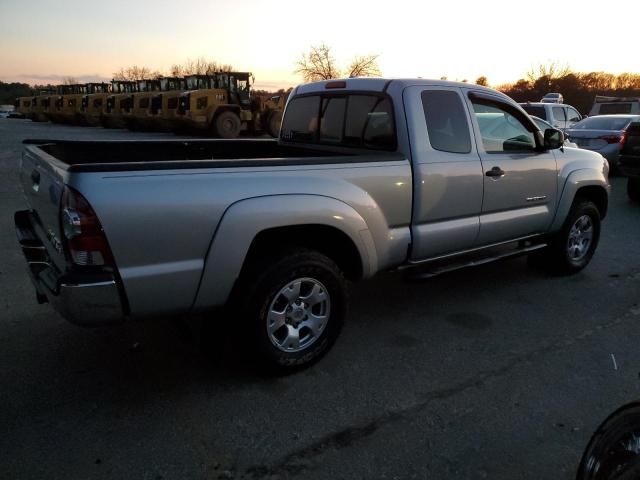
<point x="553" y="139"/>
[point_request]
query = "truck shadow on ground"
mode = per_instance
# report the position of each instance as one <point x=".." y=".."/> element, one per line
<point x="130" y="362"/>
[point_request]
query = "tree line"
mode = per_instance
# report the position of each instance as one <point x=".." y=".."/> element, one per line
<point x="10" y="91"/>
<point x="319" y="63"/>
<point x="578" y="89"/>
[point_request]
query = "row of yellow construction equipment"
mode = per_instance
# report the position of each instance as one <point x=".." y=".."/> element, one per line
<point x="220" y="105"/>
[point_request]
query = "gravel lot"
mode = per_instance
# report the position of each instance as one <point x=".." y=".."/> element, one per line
<point x="495" y="372"/>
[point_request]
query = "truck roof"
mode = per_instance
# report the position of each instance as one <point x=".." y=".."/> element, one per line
<point x="605" y="99"/>
<point x="382" y="84"/>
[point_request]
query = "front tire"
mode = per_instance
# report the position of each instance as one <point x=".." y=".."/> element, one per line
<point x="295" y="307"/>
<point x="572" y="248"/>
<point x="633" y="188"/>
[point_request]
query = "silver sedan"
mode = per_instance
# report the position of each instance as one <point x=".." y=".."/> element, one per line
<point x="604" y="134"/>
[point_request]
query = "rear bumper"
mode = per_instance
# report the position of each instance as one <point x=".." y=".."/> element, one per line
<point x="83" y="298"/>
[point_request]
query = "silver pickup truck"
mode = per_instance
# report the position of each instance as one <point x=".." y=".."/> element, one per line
<point x="367" y="175"/>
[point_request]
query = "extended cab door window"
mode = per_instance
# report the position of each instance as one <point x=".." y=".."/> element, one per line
<point x="501" y="131"/>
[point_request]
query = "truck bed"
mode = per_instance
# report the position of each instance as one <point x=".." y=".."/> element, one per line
<point x="92" y="156"/>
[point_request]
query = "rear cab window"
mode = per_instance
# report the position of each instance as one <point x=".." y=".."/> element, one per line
<point x="447" y="124"/>
<point x="353" y="119"/>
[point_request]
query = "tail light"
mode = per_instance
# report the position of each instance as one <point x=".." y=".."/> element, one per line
<point x="623" y="139"/>
<point x="614" y="138"/>
<point x="85" y="240"/>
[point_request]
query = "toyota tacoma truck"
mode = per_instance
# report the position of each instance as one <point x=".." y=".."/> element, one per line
<point x="367" y="175"/>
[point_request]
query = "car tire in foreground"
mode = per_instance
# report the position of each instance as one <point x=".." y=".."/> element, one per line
<point x="295" y="306"/>
<point x="613" y="453"/>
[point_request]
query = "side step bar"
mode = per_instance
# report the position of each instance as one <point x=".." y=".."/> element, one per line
<point x="432" y="269"/>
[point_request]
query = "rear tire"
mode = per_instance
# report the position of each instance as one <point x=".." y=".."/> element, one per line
<point x="571" y="249"/>
<point x="294" y="307"/>
<point x="633" y="188"/>
<point x="227" y="125"/>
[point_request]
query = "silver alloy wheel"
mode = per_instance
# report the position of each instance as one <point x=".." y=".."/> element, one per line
<point x="298" y="314"/>
<point x="580" y="238"/>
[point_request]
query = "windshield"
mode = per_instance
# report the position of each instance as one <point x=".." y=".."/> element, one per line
<point x="613" y="108"/>
<point x="603" y="123"/>
<point x="536" y="110"/>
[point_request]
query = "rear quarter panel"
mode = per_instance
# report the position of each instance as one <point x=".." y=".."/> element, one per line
<point x="161" y="224"/>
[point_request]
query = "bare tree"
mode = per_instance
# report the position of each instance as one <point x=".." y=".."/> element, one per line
<point x="70" y="81"/>
<point x="552" y="71"/>
<point x="199" y="66"/>
<point x="364" y="66"/>
<point x="177" y="70"/>
<point x="320" y="64"/>
<point x="482" y="81"/>
<point x="317" y="64"/>
<point x="120" y="75"/>
<point x="137" y="73"/>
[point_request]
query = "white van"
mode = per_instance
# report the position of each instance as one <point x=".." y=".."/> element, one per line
<point x="613" y="105"/>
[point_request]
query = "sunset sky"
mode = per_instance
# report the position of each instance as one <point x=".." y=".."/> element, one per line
<point x="43" y="41"/>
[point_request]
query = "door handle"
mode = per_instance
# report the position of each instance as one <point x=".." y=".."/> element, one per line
<point x="495" y="172"/>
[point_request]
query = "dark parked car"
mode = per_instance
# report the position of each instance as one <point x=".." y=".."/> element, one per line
<point x="630" y="161"/>
<point x="605" y="134"/>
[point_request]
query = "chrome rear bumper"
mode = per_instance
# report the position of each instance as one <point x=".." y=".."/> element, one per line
<point x="83" y="298"/>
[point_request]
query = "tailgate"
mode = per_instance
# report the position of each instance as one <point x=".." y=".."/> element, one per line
<point x="43" y="179"/>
